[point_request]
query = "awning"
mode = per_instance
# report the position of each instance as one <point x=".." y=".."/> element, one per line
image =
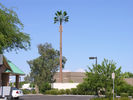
<point x="14" y="69"/>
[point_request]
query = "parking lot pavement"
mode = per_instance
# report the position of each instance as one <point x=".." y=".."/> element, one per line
<point x="46" y="97"/>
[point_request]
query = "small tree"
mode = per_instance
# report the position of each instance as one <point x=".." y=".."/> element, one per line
<point x="128" y="75"/>
<point x="99" y="77"/>
<point x="28" y="78"/>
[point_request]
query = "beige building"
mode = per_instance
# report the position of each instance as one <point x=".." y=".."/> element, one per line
<point x="70" y="77"/>
<point x="129" y="81"/>
<point x="77" y="77"/>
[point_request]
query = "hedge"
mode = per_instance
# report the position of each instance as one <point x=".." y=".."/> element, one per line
<point x="124" y="94"/>
<point x="26" y="91"/>
<point x="123" y="98"/>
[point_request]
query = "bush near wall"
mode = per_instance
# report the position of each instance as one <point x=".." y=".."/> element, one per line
<point x="44" y="87"/>
<point x="131" y="94"/>
<point x="58" y="92"/>
<point x="123" y="98"/>
<point x="124" y="88"/>
<point x="26" y="91"/>
<point x="52" y="92"/>
<point x="68" y="91"/>
<point x="124" y="94"/>
<point x="73" y="91"/>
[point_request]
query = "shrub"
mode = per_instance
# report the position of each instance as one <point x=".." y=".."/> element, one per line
<point x="20" y="84"/>
<point x="123" y="98"/>
<point x="62" y="91"/>
<point x="47" y="92"/>
<point x="108" y="94"/>
<point x="43" y="87"/>
<point x="52" y="92"/>
<point x="131" y="95"/>
<point x="74" y="91"/>
<point x="84" y="89"/>
<point x="124" y="94"/>
<point x="25" y="91"/>
<point x="33" y="92"/>
<point x="124" y="88"/>
<point x="90" y="93"/>
<point x="68" y="91"/>
<point x="32" y="85"/>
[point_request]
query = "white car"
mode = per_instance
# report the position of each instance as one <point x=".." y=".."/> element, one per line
<point x="16" y="93"/>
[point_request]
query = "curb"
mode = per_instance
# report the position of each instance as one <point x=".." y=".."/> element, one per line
<point x="31" y="94"/>
<point x="61" y="95"/>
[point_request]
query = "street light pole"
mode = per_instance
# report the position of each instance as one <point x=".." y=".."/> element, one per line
<point x="113" y="77"/>
<point x="113" y="89"/>
<point x="96" y="61"/>
<point x="94" y="58"/>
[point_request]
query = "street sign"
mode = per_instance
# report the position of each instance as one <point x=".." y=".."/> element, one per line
<point x="113" y="75"/>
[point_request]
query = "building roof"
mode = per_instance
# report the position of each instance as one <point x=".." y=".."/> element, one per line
<point x="14" y="69"/>
<point x="11" y="68"/>
<point x="5" y="63"/>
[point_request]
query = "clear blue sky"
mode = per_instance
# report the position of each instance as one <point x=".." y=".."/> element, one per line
<point x="102" y="28"/>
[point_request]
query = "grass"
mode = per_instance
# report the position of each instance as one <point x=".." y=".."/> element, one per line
<point x="122" y="98"/>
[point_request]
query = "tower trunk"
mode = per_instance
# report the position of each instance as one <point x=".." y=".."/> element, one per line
<point x="61" y="79"/>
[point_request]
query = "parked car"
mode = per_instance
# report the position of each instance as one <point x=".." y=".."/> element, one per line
<point x="16" y="93"/>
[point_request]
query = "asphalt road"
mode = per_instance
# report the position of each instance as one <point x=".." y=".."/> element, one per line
<point x="44" y="97"/>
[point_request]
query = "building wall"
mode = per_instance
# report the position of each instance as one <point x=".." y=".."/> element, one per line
<point x="70" y="77"/>
<point x="2" y="69"/>
<point x="5" y="79"/>
<point x="26" y="86"/>
<point x="77" y="77"/>
<point x="64" y="85"/>
<point x="129" y="81"/>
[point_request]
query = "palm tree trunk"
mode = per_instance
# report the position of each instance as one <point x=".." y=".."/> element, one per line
<point x="61" y="80"/>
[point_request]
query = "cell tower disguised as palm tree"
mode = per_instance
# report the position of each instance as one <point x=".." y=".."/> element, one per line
<point x="61" y="17"/>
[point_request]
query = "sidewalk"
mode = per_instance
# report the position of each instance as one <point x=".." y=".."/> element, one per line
<point x="3" y="98"/>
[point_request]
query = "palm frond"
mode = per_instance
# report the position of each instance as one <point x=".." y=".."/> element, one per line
<point x="64" y="13"/>
<point x="60" y="17"/>
<point x="59" y="13"/>
<point x="56" y="14"/>
<point x="55" y="20"/>
<point x="66" y="19"/>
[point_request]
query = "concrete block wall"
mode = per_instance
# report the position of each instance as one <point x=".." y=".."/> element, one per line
<point x="64" y="85"/>
<point x="129" y="81"/>
<point x="70" y="77"/>
<point x="77" y="77"/>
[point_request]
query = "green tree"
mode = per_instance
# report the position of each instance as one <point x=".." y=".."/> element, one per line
<point x="61" y="17"/>
<point x="28" y="79"/>
<point x="22" y="83"/>
<point x="99" y="78"/>
<point x="45" y="66"/>
<point x="11" y="35"/>
<point x="128" y="75"/>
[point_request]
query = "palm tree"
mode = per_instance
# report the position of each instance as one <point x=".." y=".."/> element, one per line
<point x="61" y="17"/>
